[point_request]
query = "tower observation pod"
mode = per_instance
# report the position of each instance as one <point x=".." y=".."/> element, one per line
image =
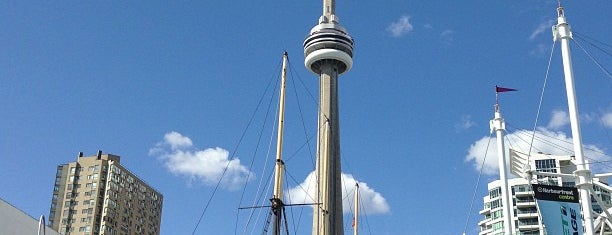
<point x="328" y="43"/>
<point x="328" y="52"/>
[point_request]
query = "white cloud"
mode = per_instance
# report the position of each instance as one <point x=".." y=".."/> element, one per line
<point x="176" y="140"/>
<point x="545" y="141"/>
<point x="542" y="27"/>
<point x="539" y="50"/>
<point x="401" y="27"/>
<point x="371" y="201"/>
<point x="465" y="123"/>
<point x="447" y="36"/>
<point x="606" y="119"/>
<point x="208" y="166"/>
<point x="559" y="119"/>
<point x="587" y="118"/>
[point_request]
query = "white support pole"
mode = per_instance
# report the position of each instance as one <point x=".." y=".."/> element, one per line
<point x="499" y="126"/>
<point x="42" y="226"/>
<point x="356" y="219"/>
<point x="562" y="32"/>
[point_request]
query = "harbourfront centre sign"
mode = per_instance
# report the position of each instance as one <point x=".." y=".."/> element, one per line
<point x="559" y="208"/>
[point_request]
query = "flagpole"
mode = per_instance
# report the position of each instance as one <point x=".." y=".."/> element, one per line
<point x="498" y="125"/>
<point x="496" y="97"/>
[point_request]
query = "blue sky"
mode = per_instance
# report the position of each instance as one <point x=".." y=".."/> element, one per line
<point x="171" y="87"/>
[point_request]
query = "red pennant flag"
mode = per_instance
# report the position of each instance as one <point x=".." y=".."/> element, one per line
<point x="503" y="89"/>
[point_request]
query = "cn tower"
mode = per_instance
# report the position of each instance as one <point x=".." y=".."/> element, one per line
<point x="328" y="52"/>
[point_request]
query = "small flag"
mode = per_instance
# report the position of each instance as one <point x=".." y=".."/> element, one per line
<point x="503" y="89"/>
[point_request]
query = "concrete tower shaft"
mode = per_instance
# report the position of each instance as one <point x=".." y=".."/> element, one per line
<point x="328" y="52"/>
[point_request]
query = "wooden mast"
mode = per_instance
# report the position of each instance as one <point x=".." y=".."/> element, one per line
<point x="278" y="207"/>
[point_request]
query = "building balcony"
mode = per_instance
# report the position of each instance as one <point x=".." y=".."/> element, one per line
<point x="526" y="204"/>
<point x="524" y="193"/>
<point x="527" y="215"/>
<point x="485" y="232"/>
<point x="484" y="221"/>
<point x="529" y="227"/>
<point x="485" y="211"/>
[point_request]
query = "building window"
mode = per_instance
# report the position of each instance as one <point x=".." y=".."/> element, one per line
<point x="547" y="165"/>
<point x="87" y="211"/>
<point x="496" y="192"/>
<point x="498" y="226"/>
<point x="496" y="203"/>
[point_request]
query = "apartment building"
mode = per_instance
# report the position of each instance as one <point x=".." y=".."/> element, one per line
<point x="96" y="195"/>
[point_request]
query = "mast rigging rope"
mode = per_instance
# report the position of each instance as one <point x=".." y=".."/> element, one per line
<point x="467" y="221"/>
<point x="594" y="60"/>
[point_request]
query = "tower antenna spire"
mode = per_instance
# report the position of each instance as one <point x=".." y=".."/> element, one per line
<point x="329" y="12"/>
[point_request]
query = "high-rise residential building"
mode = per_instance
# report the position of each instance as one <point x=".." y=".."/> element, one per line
<point x="95" y="195"/>
<point x="525" y="215"/>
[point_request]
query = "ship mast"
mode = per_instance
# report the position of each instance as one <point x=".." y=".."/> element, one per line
<point x="499" y="126"/>
<point x="278" y="207"/>
<point x="328" y="52"/>
<point x="562" y="31"/>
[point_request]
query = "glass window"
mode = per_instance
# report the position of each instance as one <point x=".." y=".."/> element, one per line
<point x="496" y="192"/>
<point x="547" y="165"/>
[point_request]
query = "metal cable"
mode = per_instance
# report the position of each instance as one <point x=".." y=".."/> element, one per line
<point x="535" y="124"/>
<point x="233" y="156"/>
<point x="583" y="37"/>
<point x="275" y="78"/>
<point x="594" y="60"/>
<point x="467" y="221"/>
